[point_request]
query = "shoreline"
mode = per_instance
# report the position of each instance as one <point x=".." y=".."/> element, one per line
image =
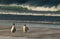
<point x="33" y="33"/>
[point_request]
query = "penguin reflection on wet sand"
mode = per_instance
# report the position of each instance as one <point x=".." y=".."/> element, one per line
<point x="13" y="29"/>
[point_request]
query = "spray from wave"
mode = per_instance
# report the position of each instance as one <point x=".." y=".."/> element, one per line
<point x="42" y="8"/>
<point x="36" y="8"/>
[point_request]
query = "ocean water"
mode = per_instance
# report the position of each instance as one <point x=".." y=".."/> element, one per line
<point x="29" y="18"/>
<point x="29" y="24"/>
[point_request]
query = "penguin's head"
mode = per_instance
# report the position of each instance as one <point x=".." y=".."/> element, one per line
<point x="24" y="24"/>
<point x="13" y="23"/>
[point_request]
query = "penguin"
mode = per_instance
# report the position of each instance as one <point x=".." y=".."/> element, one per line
<point x="25" y="28"/>
<point x="13" y="29"/>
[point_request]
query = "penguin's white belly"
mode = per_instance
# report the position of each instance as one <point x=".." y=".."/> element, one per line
<point x="12" y="28"/>
<point x="24" y="28"/>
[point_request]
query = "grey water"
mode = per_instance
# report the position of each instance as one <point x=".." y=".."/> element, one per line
<point x="20" y="24"/>
<point x="28" y="16"/>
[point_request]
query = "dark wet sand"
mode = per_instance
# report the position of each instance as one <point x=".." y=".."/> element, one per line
<point x="33" y="33"/>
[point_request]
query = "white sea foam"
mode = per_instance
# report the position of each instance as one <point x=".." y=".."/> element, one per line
<point x="42" y="8"/>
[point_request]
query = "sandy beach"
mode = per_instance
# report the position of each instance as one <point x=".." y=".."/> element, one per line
<point x="33" y="33"/>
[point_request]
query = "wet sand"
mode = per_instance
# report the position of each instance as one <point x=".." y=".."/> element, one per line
<point x="33" y="33"/>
